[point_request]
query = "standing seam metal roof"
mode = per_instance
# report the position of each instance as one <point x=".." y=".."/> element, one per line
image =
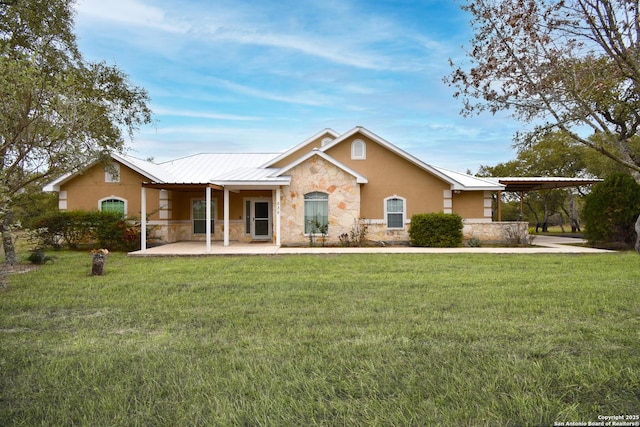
<point x="204" y="168"/>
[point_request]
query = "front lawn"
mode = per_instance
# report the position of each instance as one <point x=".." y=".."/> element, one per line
<point x="322" y="340"/>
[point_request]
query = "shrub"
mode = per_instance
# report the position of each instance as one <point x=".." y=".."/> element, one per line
<point x="611" y="210"/>
<point x="357" y="235"/>
<point x="38" y="257"/>
<point x="437" y="230"/>
<point x="75" y="228"/>
<point x="474" y="242"/>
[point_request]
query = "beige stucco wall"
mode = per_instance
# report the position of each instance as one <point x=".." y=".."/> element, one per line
<point x="388" y="175"/>
<point x="471" y="204"/>
<point x="85" y="190"/>
<point x="316" y="174"/>
<point x="302" y="150"/>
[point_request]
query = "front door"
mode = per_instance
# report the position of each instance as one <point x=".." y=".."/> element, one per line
<point x="261" y="219"/>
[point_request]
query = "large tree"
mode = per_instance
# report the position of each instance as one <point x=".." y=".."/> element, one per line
<point x="572" y="65"/>
<point x="57" y="110"/>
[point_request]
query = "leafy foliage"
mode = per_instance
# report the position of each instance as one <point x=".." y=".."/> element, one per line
<point x="437" y="230"/>
<point x="611" y="210"/>
<point x="38" y="257"/>
<point x="75" y="228"/>
<point x="57" y="111"/>
<point x="568" y="65"/>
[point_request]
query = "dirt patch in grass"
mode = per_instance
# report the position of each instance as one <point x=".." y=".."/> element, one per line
<point x="6" y="269"/>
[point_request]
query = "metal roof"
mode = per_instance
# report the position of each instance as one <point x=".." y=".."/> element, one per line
<point x="524" y="184"/>
<point x="253" y="169"/>
<point x="203" y="168"/>
<point x="469" y="182"/>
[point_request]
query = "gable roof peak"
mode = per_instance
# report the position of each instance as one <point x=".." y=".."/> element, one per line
<point x="327" y="131"/>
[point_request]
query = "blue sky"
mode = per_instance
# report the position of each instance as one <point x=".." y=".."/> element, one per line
<point x="264" y="75"/>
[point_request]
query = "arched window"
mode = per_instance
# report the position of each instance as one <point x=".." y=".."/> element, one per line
<point x="358" y="150"/>
<point x="113" y="204"/>
<point x="395" y="211"/>
<point x="316" y="213"/>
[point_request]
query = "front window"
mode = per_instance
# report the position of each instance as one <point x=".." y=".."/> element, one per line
<point x="199" y="215"/>
<point x="395" y="212"/>
<point x="113" y="205"/>
<point x="316" y="213"/>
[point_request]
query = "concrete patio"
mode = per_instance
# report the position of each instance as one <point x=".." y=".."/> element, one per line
<point x="541" y="244"/>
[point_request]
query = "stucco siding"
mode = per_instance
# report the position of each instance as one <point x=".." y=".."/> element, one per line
<point x="469" y="204"/>
<point x="85" y="190"/>
<point x="388" y="175"/>
<point x="302" y="150"/>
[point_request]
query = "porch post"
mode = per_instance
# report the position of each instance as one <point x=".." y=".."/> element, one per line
<point x="278" y="216"/>
<point x="143" y="219"/>
<point x="208" y="218"/>
<point x="499" y="205"/>
<point x="226" y="216"/>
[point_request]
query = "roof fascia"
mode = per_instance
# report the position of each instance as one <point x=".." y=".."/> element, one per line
<point x="55" y="184"/>
<point x="360" y="179"/>
<point x="135" y="168"/>
<point x="275" y="160"/>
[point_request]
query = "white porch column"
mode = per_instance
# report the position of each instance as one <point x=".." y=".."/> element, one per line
<point x="226" y="216"/>
<point x="278" y="216"/>
<point x="143" y="219"/>
<point x="208" y="218"/>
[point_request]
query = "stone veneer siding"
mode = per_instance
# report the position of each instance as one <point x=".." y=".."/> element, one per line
<point x="496" y="232"/>
<point x="316" y="174"/>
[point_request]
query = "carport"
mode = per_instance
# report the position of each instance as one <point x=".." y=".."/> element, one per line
<point x="522" y="185"/>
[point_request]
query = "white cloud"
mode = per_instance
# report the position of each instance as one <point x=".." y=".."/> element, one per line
<point x="202" y="114"/>
<point x="309" y="98"/>
<point x="130" y="13"/>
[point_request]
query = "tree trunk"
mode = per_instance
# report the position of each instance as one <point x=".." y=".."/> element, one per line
<point x="10" y="256"/>
<point x="638" y="235"/>
<point x="97" y="265"/>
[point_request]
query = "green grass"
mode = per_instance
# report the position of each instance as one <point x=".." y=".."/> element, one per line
<point x="322" y="340"/>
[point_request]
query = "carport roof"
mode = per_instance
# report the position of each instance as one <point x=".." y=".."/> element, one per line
<point x="524" y="184"/>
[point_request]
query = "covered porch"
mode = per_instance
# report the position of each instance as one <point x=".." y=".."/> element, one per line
<point x="250" y="213"/>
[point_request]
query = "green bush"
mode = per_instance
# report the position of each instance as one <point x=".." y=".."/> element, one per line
<point x="437" y="230"/>
<point x="38" y="257"/>
<point x="76" y="228"/>
<point x="611" y="210"/>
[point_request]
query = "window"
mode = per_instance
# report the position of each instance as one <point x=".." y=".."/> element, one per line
<point x="358" y="150"/>
<point x="112" y="173"/>
<point x="316" y="213"/>
<point x="394" y="211"/>
<point x="199" y="215"/>
<point x="113" y="204"/>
